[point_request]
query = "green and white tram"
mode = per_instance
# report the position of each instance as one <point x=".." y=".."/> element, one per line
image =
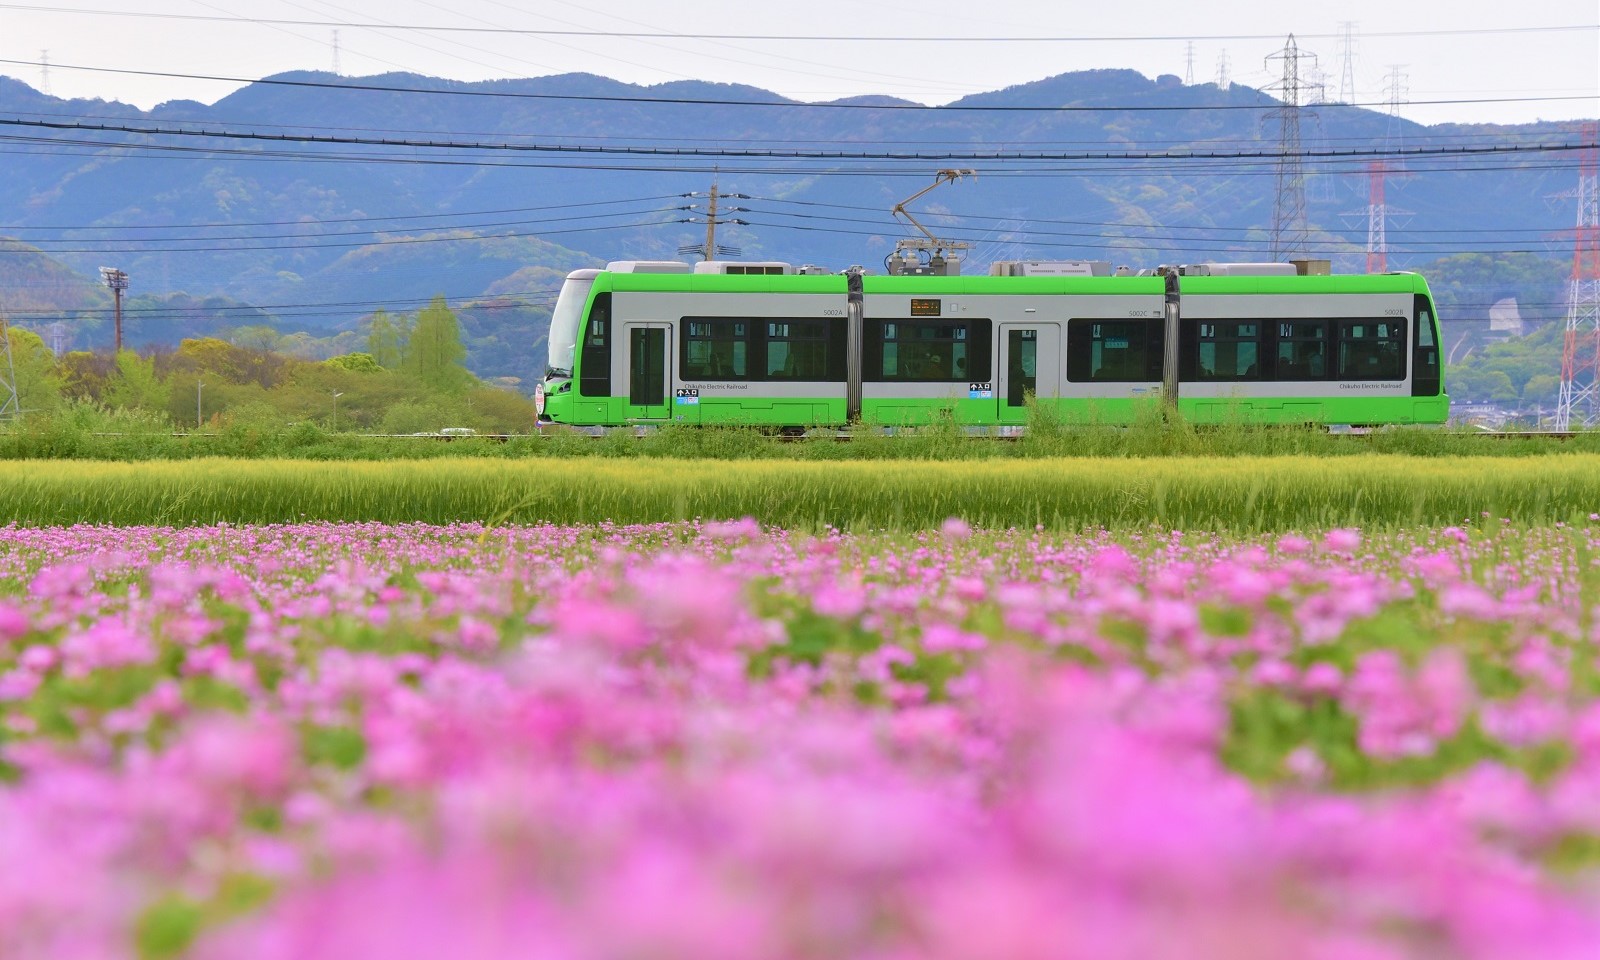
<point x="725" y="343"/>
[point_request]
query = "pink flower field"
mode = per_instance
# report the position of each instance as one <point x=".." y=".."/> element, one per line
<point x="722" y="742"/>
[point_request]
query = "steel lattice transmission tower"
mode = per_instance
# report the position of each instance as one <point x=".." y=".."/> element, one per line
<point x="10" y="406"/>
<point x="1579" y="399"/>
<point x="1378" y="210"/>
<point x="1377" y="220"/>
<point x="1377" y="213"/>
<point x="1347" y="59"/>
<point x="1289" y="231"/>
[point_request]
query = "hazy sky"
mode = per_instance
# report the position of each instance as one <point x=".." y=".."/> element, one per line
<point x="1434" y="47"/>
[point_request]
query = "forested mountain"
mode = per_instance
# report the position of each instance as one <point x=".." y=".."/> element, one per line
<point x="218" y="233"/>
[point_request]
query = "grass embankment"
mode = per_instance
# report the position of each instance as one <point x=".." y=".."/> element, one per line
<point x="115" y="436"/>
<point x="1242" y="493"/>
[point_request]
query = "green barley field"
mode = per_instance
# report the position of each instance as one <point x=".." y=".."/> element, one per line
<point x="1238" y="493"/>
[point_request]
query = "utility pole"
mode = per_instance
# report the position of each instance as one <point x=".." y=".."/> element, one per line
<point x="1222" y="70"/>
<point x="44" y="72"/>
<point x="1580" y="353"/>
<point x="336" y="53"/>
<point x="711" y="222"/>
<point x="1289" y="230"/>
<point x="117" y="280"/>
<point x="716" y="216"/>
<point x="199" y="418"/>
<point x="1188" y="64"/>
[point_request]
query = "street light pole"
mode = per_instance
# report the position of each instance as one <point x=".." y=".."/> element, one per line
<point x="199" y="420"/>
<point x="336" y="396"/>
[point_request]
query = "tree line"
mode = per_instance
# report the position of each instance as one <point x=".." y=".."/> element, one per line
<point x="410" y="379"/>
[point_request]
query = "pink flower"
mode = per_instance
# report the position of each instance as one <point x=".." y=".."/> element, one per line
<point x="1341" y="541"/>
<point x="1293" y="544"/>
<point x="13" y="622"/>
<point x="955" y="528"/>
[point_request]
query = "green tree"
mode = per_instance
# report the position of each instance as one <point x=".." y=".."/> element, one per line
<point x="501" y="411"/>
<point x="434" y="352"/>
<point x="38" y="382"/>
<point x="412" y="416"/>
<point x="384" y="341"/>
<point x="135" y="386"/>
<point x="86" y="375"/>
<point x="1544" y="388"/>
<point x="260" y="338"/>
<point x="355" y="363"/>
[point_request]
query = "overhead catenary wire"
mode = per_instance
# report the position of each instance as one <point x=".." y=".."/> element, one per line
<point x="1106" y="244"/>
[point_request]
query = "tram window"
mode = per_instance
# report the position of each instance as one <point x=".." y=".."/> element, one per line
<point x="798" y="350"/>
<point x="716" y="349"/>
<point x="1302" y="350"/>
<point x="924" y="350"/>
<point x="594" y="378"/>
<point x="1230" y="350"/>
<point x="1372" y="350"/>
<point x="1117" y="351"/>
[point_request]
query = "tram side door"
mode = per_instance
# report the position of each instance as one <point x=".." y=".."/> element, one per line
<point x="649" y="361"/>
<point x="1030" y="363"/>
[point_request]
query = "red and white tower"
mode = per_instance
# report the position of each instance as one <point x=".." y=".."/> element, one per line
<point x="1578" y="403"/>
<point x="1377" y="217"/>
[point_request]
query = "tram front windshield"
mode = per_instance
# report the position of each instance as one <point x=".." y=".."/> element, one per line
<point x="564" y="323"/>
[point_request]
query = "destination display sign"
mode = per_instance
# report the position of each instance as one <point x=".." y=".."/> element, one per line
<point x="925" y="308"/>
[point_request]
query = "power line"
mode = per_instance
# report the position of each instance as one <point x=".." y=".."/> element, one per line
<point x="875" y="38"/>
<point x="1109" y="245"/>
<point x="401" y="216"/>
<point x="359" y="233"/>
<point x="1111" y="223"/>
<point x="785" y="103"/>
<point x="111" y="246"/>
<point x="1026" y="230"/>
<point x="1098" y="169"/>
<point x="1464" y="136"/>
<point x="791" y="154"/>
<point x="1166" y="231"/>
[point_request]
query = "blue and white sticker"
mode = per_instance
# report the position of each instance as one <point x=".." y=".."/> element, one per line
<point x="980" y="391"/>
<point x="688" y="396"/>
